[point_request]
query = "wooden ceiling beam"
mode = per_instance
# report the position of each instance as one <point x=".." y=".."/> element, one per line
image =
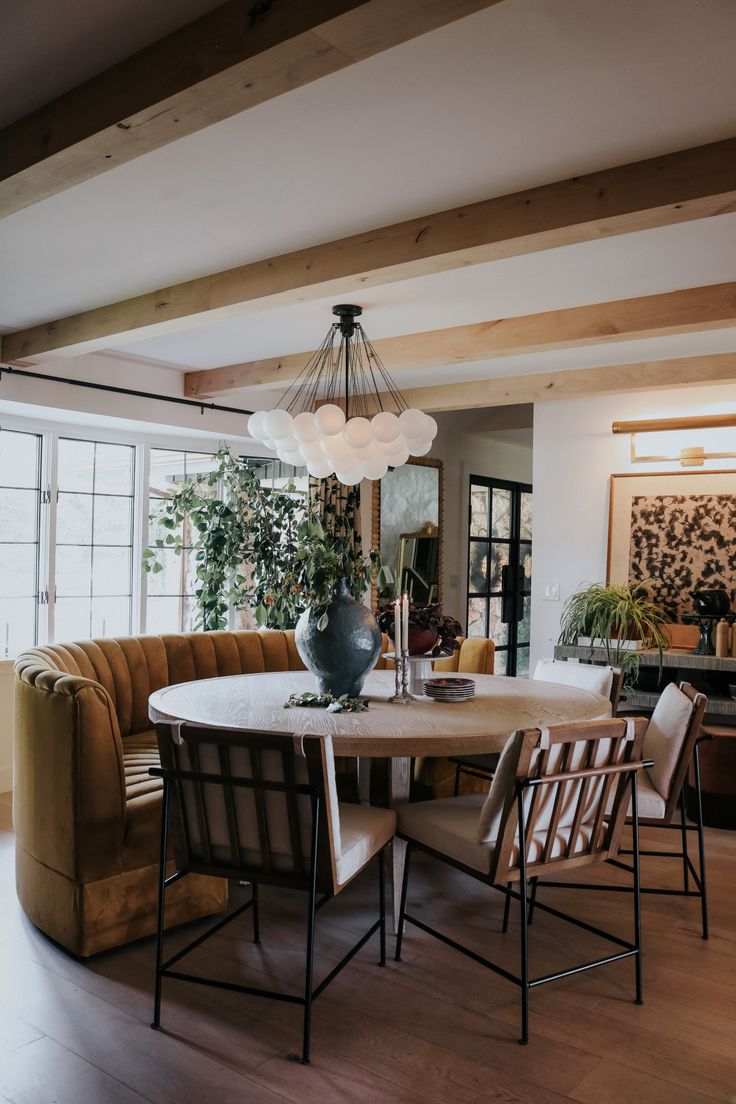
<point x="662" y="191"/>
<point x="687" y="311"/>
<point x="228" y="60"/>
<point x="577" y="384"/>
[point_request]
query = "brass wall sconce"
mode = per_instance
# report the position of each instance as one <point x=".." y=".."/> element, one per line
<point x="689" y="454"/>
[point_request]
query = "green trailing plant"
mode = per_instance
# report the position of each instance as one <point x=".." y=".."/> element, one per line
<point x="610" y="616"/>
<point x="259" y="546"/>
<point x="343" y="704"/>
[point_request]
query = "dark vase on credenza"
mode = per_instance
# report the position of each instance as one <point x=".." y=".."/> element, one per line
<point x="342" y="653"/>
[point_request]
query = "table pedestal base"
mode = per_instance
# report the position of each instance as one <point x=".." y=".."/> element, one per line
<point x="399" y="786"/>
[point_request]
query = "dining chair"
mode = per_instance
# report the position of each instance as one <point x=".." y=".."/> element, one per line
<point x="671" y="742"/>
<point x="606" y="681"/>
<point x="545" y="813"/>
<point x="262" y="808"/>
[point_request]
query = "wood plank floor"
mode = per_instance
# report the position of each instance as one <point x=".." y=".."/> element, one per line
<point x="434" y="1028"/>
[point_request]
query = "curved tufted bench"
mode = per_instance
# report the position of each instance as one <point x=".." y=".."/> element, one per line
<point x="87" y="815"/>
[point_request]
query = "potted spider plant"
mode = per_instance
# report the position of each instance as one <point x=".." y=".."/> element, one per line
<point x="620" y="619"/>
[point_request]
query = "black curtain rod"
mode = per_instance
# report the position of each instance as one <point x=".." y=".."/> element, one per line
<point x="202" y="406"/>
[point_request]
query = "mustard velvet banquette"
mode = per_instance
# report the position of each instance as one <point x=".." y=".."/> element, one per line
<point x="87" y="815"/>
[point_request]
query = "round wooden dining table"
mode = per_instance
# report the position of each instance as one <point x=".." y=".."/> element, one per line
<point x="397" y="732"/>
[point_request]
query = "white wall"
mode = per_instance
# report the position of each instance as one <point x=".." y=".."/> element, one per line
<point x="575" y="453"/>
<point x="467" y="454"/>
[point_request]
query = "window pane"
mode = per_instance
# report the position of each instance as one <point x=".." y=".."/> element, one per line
<point x="94" y="539"/>
<point x="110" y="616"/>
<point x="522" y="663"/>
<point x="71" y="619"/>
<point x="525" y="623"/>
<point x="479" y="508"/>
<point x="114" y="469"/>
<point x="76" y="465"/>
<point x="73" y="570"/>
<point x="112" y="521"/>
<point x="501" y="518"/>
<point x="477" y="575"/>
<point x="525" y="556"/>
<point x="17" y="570"/>
<point x="19" y="459"/>
<point x="499" y="559"/>
<point x="477" y="616"/>
<point x="499" y="632"/>
<point x="17" y="625"/>
<point x="111" y="571"/>
<point x="18" y="515"/>
<point x="74" y="519"/>
<point x="499" y="663"/>
<point x="526" y="516"/>
<point x="163" y="615"/>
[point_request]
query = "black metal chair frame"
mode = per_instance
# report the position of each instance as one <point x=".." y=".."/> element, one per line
<point x="311" y="992"/>
<point x="526" y="902"/>
<point x="688" y="870"/>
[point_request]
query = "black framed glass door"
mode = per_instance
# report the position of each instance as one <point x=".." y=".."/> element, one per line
<point x="500" y="569"/>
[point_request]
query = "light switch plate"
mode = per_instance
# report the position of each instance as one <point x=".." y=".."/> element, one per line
<point x="552" y="592"/>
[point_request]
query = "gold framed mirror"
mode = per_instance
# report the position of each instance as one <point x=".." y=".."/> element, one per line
<point x="408" y="528"/>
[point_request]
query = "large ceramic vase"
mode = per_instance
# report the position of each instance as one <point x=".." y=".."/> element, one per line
<point x="342" y="653"/>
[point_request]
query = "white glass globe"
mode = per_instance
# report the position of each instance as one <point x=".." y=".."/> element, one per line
<point x="335" y="447"/>
<point x="288" y="443"/>
<point x="294" y="458"/>
<point x="255" y="425"/>
<point x="330" y="419"/>
<point x="312" y="450"/>
<point x="430" y="428"/>
<point x="305" y="426"/>
<point x="358" y="433"/>
<point x="349" y="477"/>
<point x="398" y="458"/>
<point x="320" y="469"/>
<point x="269" y="444"/>
<point x="412" y="424"/>
<point x="376" y="467"/>
<point x="394" y="448"/>
<point x="418" y="448"/>
<point x="277" y="423"/>
<point x="385" y="426"/>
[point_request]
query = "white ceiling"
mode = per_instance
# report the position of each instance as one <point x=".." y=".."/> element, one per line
<point x="524" y="93"/>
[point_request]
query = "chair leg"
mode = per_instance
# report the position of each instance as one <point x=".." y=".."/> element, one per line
<point x="533" y="899"/>
<point x="160" y="910"/>
<point x="701" y="843"/>
<point x="382" y="906"/>
<point x="402" y="905"/>
<point x="506" y="911"/>
<point x="524" y="905"/>
<point x="683" y="832"/>
<point x="311" y="914"/>
<point x="256" y="914"/>
<point x="637" y="887"/>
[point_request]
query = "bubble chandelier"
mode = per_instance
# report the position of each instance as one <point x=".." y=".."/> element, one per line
<point x="332" y="419"/>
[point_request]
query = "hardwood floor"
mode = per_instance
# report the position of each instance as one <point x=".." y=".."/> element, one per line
<point x="435" y="1028"/>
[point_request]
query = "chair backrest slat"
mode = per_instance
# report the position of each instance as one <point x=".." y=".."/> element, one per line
<point x="259" y="796"/>
<point x="200" y="805"/>
<point x="557" y="806"/>
<point x="229" y="798"/>
<point x="700" y="704"/>
<point x="287" y="765"/>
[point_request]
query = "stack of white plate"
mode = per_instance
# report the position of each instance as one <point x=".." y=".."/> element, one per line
<point x="449" y="689"/>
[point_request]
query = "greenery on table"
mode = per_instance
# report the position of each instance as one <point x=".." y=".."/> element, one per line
<point x="269" y="547"/>
<point x="610" y="616"/>
<point x="343" y="704"/>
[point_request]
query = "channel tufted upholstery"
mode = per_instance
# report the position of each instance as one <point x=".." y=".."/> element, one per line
<point x="87" y="814"/>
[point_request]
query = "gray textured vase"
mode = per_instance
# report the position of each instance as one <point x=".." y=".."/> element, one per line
<point x="342" y="653"/>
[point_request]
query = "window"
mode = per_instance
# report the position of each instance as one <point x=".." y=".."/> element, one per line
<point x="170" y="603"/>
<point x="500" y="570"/>
<point x="94" y="539"/>
<point x="20" y="502"/>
